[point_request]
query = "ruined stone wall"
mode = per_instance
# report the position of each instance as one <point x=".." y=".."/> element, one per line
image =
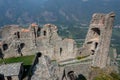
<point x="52" y="44"/>
<point x="8" y="30"/>
<point x="46" y="40"/>
<point x="101" y="54"/>
<point x="21" y="41"/>
<point x="77" y="72"/>
<point x="98" y="38"/>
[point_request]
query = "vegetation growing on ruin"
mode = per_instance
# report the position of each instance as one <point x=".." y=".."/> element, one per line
<point x="103" y="77"/>
<point x="27" y="60"/>
<point x="81" y="57"/>
<point x="104" y="74"/>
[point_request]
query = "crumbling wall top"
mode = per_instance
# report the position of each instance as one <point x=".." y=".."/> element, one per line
<point x="25" y="30"/>
<point x="50" y="26"/>
<point x="112" y="14"/>
<point x="101" y="20"/>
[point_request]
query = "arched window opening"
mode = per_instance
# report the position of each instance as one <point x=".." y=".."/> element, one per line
<point x="93" y="51"/>
<point x="19" y="50"/>
<point x="5" y="47"/>
<point x="18" y="35"/>
<point x="38" y="31"/>
<point x="96" y="44"/>
<point x="39" y="54"/>
<point x="96" y="30"/>
<point x="22" y="45"/>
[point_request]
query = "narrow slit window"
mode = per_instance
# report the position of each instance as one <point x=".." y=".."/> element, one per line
<point x="61" y="51"/>
<point x="44" y="33"/>
<point x="38" y="32"/>
<point x="18" y="35"/>
<point x="96" y="44"/>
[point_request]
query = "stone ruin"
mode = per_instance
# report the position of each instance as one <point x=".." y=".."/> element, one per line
<point x="98" y="39"/>
<point x="96" y="46"/>
<point x="18" y="41"/>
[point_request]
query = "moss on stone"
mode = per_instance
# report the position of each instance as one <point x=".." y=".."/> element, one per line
<point x="81" y="57"/>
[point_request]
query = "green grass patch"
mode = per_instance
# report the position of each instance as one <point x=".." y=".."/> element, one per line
<point x="27" y="60"/>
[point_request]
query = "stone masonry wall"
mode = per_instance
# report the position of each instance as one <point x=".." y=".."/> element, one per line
<point x="36" y="39"/>
<point x="98" y="38"/>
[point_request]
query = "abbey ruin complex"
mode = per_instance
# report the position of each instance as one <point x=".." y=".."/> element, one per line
<point x="17" y="41"/>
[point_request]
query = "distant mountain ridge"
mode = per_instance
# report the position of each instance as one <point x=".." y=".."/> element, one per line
<point x="54" y="11"/>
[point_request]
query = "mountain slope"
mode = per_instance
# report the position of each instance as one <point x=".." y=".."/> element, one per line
<point x="54" y="11"/>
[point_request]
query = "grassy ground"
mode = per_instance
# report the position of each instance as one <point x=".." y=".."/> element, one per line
<point x="27" y="60"/>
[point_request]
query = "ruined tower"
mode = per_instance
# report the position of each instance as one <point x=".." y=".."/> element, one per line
<point x="97" y="41"/>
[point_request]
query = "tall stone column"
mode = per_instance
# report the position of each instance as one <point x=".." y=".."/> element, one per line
<point x="98" y="39"/>
<point x="104" y="24"/>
